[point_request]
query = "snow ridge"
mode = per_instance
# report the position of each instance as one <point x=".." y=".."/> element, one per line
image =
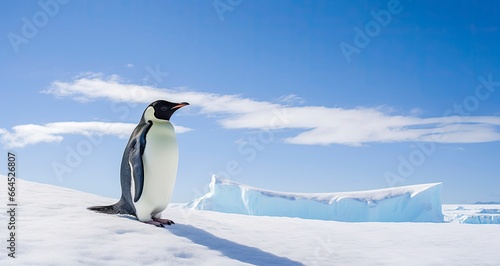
<point x="417" y="203"/>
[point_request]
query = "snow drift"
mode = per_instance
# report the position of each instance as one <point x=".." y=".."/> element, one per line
<point x="417" y="203"/>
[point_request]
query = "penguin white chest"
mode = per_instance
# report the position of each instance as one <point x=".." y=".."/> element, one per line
<point x="160" y="160"/>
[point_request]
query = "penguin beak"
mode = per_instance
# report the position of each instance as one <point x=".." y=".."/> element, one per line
<point x="179" y="105"/>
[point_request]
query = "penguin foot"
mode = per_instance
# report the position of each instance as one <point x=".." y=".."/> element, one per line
<point x="163" y="221"/>
<point x="157" y="224"/>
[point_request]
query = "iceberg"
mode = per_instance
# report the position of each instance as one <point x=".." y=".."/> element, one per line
<point x="416" y="203"/>
<point x="473" y="214"/>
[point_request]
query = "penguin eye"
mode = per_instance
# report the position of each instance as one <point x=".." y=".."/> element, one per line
<point x="164" y="108"/>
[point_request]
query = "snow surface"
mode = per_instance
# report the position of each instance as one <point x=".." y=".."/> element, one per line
<point x="418" y="203"/>
<point x="55" y="228"/>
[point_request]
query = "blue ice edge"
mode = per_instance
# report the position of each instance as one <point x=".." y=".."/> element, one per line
<point x="416" y="203"/>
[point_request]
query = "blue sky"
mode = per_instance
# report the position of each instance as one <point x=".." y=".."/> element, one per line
<point x="277" y="100"/>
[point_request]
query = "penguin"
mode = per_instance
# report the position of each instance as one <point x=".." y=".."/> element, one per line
<point x="149" y="166"/>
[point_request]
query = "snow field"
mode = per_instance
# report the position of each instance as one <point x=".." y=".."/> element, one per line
<point x="56" y="229"/>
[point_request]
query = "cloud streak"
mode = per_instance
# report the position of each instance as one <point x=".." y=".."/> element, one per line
<point x="93" y="86"/>
<point x="320" y="125"/>
<point x="30" y="134"/>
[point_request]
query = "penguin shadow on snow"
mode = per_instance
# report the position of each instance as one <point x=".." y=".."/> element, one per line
<point x="229" y="248"/>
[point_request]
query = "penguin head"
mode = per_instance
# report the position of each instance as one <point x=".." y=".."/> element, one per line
<point x="161" y="111"/>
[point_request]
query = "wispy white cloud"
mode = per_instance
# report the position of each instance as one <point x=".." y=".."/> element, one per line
<point x="92" y="86"/>
<point x="291" y="99"/>
<point x="321" y="125"/>
<point x="23" y="135"/>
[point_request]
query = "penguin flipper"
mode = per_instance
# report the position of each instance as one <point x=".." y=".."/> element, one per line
<point x="135" y="161"/>
<point x="137" y="171"/>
